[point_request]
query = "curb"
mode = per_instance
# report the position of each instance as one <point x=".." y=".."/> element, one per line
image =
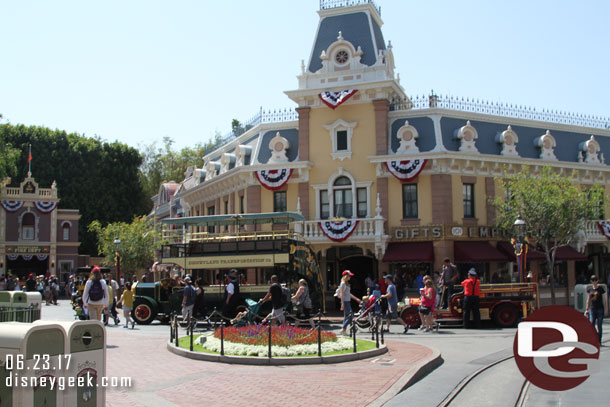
<point x="412" y="375"/>
<point x="259" y="361"/>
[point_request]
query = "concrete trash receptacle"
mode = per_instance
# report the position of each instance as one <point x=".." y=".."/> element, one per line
<point x="86" y="346"/>
<point x="34" y="301"/>
<point x="19" y="300"/>
<point x="580" y="297"/>
<point x="6" y="309"/>
<point x="33" y="357"/>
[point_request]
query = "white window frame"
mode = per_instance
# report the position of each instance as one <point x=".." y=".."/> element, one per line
<point x="331" y="198"/>
<point x="333" y="128"/>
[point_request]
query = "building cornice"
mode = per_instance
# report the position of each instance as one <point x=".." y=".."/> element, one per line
<point x="494" y="165"/>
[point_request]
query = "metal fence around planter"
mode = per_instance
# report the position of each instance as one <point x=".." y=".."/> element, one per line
<point x="14" y="314"/>
<point x="376" y="330"/>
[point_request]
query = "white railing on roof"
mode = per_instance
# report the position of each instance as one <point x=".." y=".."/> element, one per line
<point x="328" y="4"/>
<point x="499" y="109"/>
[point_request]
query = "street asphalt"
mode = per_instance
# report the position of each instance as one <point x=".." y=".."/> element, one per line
<point x="462" y="351"/>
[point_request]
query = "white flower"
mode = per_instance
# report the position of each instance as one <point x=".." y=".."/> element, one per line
<point x="212" y="343"/>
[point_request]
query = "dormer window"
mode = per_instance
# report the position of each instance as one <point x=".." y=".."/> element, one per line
<point x="341" y="133"/>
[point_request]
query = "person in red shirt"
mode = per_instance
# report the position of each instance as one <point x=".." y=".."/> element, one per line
<point x="472" y="291"/>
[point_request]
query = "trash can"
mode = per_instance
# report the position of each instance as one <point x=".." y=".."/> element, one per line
<point x="34" y="302"/>
<point x="86" y="346"/>
<point x="19" y="301"/>
<point x="6" y="310"/>
<point x="580" y="297"/>
<point x="34" y="355"/>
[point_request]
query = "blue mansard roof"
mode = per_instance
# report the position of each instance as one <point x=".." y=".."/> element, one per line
<point x="569" y="139"/>
<point x="358" y="28"/>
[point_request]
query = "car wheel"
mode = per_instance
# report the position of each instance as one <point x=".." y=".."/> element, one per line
<point x="410" y="316"/>
<point x="505" y="315"/>
<point x="143" y="313"/>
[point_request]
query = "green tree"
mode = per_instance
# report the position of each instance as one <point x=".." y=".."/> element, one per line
<point x="162" y="164"/>
<point x="8" y="158"/>
<point x="553" y="207"/>
<point x="100" y="179"/>
<point x="137" y="246"/>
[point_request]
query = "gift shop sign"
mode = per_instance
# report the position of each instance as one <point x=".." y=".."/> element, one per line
<point x="445" y="232"/>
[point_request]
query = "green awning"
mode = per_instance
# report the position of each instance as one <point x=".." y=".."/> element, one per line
<point x="236" y="219"/>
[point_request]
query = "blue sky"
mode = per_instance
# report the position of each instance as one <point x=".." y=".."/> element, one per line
<point x="136" y="71"/>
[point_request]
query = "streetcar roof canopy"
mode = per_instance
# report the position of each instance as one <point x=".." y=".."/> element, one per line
<point x="236" y="219"/>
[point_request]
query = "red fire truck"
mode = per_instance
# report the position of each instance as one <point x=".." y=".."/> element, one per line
<point x="505" y="304"/>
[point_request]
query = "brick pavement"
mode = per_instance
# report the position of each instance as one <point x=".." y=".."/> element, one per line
<point x="161" y="378"/>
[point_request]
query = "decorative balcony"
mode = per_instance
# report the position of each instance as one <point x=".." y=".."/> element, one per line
<point x="593" y="234"/>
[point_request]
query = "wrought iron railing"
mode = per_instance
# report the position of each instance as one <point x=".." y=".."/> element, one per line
<point x="499" y="109"/>
<point x="328" y="4"/>
<point x="262" y="116"/>
<point x="10" y="314"/>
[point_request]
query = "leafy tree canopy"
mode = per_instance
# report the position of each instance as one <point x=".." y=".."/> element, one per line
<point x="100" y="179"/>
<point x="137" y="247"/>
<point x="553" y="207"/>
<point x="163" y="164"/>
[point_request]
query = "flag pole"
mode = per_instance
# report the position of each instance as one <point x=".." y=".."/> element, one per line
<point x="30" y="161"/>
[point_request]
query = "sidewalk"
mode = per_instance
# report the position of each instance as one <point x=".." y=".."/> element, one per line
<point x="161" y="378"/>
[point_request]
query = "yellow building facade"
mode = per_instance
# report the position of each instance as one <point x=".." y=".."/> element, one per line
<point x="389" y="184"/>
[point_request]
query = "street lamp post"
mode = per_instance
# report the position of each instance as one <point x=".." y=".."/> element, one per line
<point x="117" y="258"/>
<point x="520" y="246"/>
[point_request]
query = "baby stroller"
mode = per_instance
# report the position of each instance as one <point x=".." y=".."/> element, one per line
<point x="248" y="316"/>
<point x="79" y="310"/>
<point x="369" y="308"/>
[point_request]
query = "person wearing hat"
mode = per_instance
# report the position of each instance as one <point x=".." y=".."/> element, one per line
<point x="392" y="297"/>
<point x="188" y="299"/>
<point x="472" y="291"/>
<point x="231" y="299"/>
<point x="346" y="296"/>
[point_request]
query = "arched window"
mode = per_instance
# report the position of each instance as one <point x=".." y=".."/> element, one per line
<point x="66" y="231"/>
<point x="343" y="198"/>
<point x="27" y="226"/>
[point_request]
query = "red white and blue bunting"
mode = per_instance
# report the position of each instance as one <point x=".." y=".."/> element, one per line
<point x="273" y="179"/>
<point x="12" y="206"/>
<point x="12" y="257"/>
<point x="605" y="228"/>
<point x="338" y="231"/>
<point x="405" y="170"/>
<point x="45" y="207"/>
<point x="335" y="99"/>
<point x="42" y="257"/>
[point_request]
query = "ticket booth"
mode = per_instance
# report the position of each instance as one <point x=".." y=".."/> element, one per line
<point x="33" y="356"/>
<point x="86" y="346"/>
